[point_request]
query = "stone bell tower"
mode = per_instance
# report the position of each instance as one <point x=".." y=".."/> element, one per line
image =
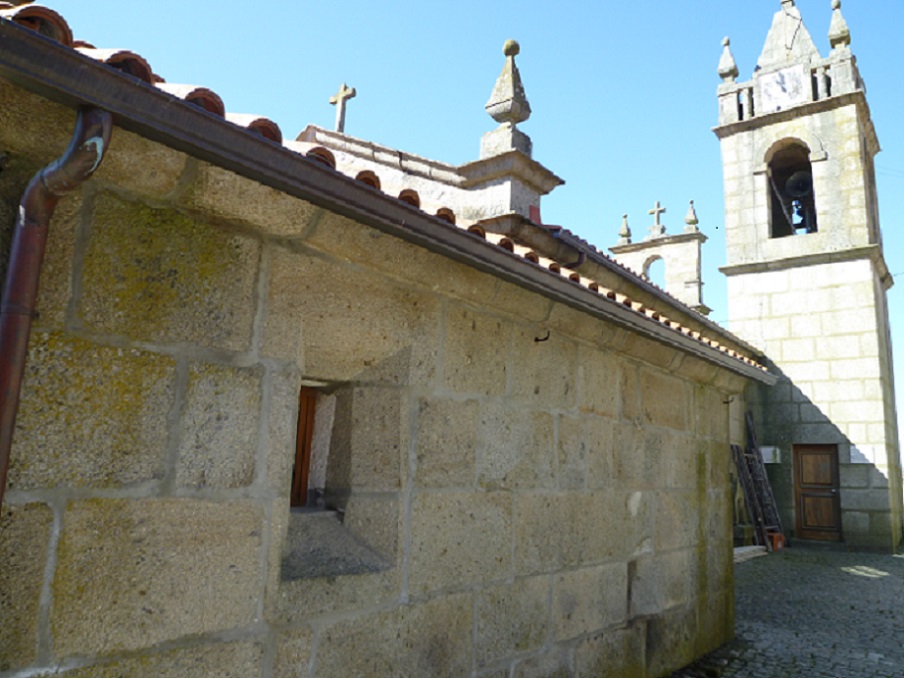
<point x="807" y="280"/>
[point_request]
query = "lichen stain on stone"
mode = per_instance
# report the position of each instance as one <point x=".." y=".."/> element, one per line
<point x="156" y="274"/>
<point x="91" y="415"/>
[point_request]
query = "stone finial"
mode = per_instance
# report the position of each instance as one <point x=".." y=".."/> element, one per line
<point x="728" y="69"/>
<point x="508" y="102"/>
<point x="338" y="100"/>
<point x="624" y="233"/>
<point x="839" y="33"/>
<point x="657" y="230"/>
<point x="691" y="220"/>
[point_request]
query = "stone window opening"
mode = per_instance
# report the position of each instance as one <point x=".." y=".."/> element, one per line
<point x="329" y="531"/>
<point x="792" y="198"/>
<point x="316" y="412"/>
<point x="654" y="270"/>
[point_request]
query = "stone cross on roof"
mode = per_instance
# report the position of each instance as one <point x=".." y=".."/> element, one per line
<point x="657" y="229"/>
<point x="338" y="100"/>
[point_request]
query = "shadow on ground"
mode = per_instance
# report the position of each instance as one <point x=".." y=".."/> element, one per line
<point x="814" y="614"/>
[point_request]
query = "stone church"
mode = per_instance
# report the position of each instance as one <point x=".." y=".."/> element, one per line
<point x="320" y="407"/>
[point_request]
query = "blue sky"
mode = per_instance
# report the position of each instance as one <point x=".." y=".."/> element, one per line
<point x="623" y="93"/>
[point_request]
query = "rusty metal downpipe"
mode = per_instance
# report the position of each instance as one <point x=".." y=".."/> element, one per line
<point x="17" y="306"/>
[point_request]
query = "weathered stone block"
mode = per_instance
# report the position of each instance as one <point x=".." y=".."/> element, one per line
<point x="598" y="382"/>
<point x="677" y="520"/>
<point x="649" y="351"/>
<point x="659" y="582"/>
<point x="293" y="653"/>
<point x="572" y="447"/>
<point x="600" y="443"/>
<point x="665" y="400"/>
<point x="446" y="443"/>
<point x="543" y="373"/>
<point x="475" y="350"/>
<point x="156" y="275"/>
<point x="512" y="619"/>
<point x="581" y="326"/>
<point x="459" y="539"/>
<point x="377" y="520"/>
<point x="388" y="335"/>
<point x="351" y="241"/>
<point x="587" y="600"/>
<point x="616" y="653"/>
<point x="282" y="428"/>
<point x="554" y="531"/>
<point x="432" y="639"/>
<point x="140" y="165"/>
<point x="515" y="448"/>
<point x="554" y="663"/>
<point x="227" y="660"/>
<point x="219" y="428"/>
<point x="864" y="500"/>
<point x="24" y="534"/>
<point x="281" y="337"/>
<point x="297" y="602"/>
<point x="56" y="271"/>
<point x="91" y="415"/>
<point x="370" y="439"/>
<point x="135" y="573"/>
<point x="671" y="640"/>
<point x="228" y="196"/>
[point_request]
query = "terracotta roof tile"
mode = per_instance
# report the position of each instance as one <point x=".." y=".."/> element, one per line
<point x="39" y="18"/>
<point x="123" y="60"/>
<point x="263" y="126"/>
<point x="201" y="97"/>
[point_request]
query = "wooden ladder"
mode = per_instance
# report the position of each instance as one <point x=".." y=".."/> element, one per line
<point x="758" y="494"/>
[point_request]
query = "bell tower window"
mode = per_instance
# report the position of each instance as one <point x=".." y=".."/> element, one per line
<point x="792" y="199"/>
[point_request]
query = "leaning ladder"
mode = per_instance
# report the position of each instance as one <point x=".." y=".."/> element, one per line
<point x="757" y="491"/>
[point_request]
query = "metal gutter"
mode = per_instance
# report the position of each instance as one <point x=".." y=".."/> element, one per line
<point x="20" y="291"/>
<point x="44" y="67"/>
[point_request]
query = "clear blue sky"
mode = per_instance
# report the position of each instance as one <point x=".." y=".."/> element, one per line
<point x="623" y="93"/>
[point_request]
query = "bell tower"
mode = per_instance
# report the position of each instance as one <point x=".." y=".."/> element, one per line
<point x="807" y="280"/>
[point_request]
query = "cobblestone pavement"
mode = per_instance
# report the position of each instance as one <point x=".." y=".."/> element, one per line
<point x="813" y="613"/>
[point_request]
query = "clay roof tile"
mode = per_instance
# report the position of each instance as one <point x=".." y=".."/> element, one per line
<point x="39" y="18"/>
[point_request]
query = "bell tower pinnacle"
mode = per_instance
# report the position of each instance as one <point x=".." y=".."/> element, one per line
<point x="807" y="278"/>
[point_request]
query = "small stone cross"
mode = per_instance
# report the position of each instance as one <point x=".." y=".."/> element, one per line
<point x="657" y="228"/>
<point x="338" y="100"/>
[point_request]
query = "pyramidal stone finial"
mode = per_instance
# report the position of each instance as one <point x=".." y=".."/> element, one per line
<point x="508" y="102"/>
<point x="624" y="233"/>
<point x="508" y="106"/>
<point x="728" y="68"/>
<point x="839" y="33"/>
<point x="691" y="220"/>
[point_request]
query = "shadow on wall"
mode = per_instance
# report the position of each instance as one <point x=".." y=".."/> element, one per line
<point x="828" y="487"/>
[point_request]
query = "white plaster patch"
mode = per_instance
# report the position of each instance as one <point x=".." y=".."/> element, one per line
<point x="771" y="455"/>
<point x="634" y="504"/>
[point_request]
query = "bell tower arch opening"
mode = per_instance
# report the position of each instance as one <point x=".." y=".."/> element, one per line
<point x="792" y="200"/>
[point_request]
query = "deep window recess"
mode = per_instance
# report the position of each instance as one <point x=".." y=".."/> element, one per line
<point x="792" y="199"/>
<point x="316" y="411"/>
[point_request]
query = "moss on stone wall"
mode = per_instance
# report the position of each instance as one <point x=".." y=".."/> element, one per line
<point x="157" y="275"/>
<point x="91" y="415"/>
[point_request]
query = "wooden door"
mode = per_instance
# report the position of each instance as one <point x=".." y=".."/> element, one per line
<point x="816" y="494"/>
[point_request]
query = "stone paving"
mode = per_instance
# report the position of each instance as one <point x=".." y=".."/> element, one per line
<point x="813" y="613"/>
